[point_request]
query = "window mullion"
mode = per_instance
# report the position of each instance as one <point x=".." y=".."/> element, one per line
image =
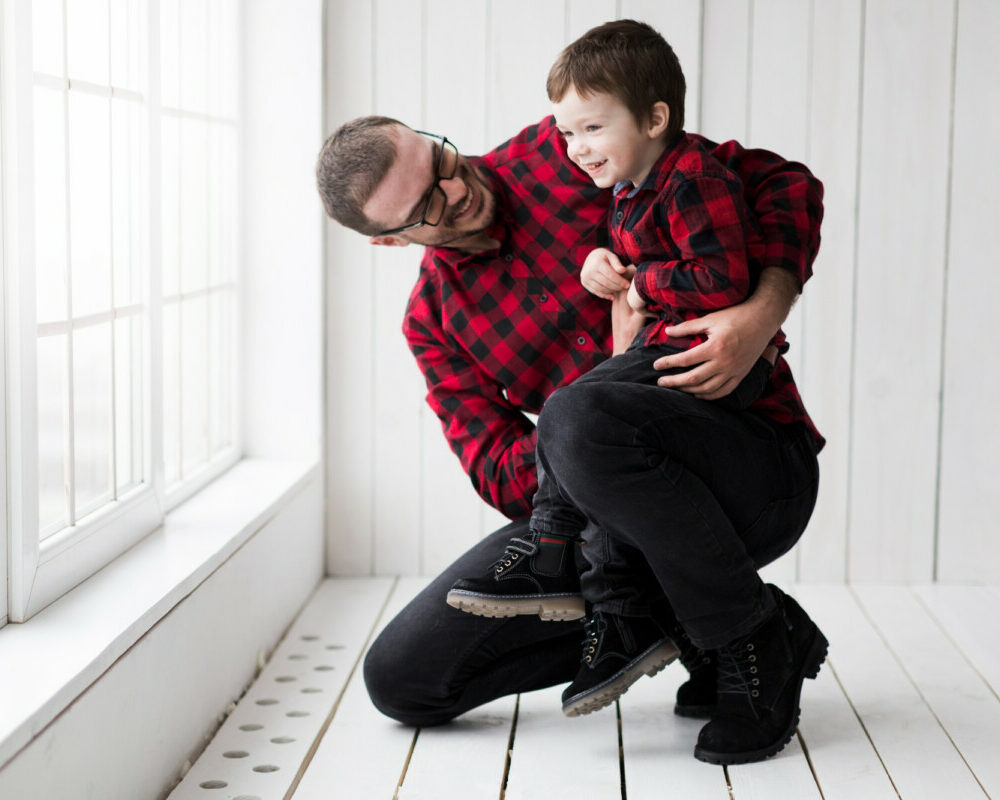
<point x="113" y="416"/>
<point x="69" y="444"/>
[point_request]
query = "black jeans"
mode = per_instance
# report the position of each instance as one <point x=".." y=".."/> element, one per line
<point x="755" y="481"/>
<point x="614" y="580"/>
<point x="706" y="494"/>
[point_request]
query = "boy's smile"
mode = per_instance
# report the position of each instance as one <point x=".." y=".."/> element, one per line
<point x="603" y="138"/>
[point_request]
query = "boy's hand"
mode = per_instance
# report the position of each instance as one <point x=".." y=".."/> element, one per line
<point x="604" y="275"/>
<point x="635" y="299"/>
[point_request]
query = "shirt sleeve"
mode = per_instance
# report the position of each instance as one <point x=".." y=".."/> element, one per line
<point x="705" y="219"/>
<point x="787" y="202"/>
<point x="494" y="441"/>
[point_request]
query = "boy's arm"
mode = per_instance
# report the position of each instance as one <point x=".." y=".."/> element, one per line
<point x="787" y="201"/>
<point x="705" y="219"/>
<point x="494" y="441"/>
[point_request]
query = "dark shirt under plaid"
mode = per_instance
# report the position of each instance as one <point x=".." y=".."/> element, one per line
<point x="495" y="333"/>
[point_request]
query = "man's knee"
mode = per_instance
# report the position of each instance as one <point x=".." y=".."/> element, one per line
<point x="565" y="422"/>
<point x="392" y="689"/>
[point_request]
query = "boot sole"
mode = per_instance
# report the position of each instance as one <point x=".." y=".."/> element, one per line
<point x="605" y="693"/>
<point x="548" y="608"/>
<point x="810" y="669"/>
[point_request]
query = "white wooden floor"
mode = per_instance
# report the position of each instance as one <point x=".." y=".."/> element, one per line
<point x="907" y="705"/>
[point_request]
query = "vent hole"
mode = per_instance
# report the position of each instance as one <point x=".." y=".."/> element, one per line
<point x="265" y="768"/>
<point x="213" y="785"/>
<point x="235" y="754"/>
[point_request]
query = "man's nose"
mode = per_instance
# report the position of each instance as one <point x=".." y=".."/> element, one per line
<point x="454" y="189"/>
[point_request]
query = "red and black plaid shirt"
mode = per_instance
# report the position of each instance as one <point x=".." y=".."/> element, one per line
<point x="495" y="333"/>
<point x="696" y="249"/>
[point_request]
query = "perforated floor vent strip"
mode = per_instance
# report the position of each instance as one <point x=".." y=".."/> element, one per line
<point x="258" y="751"/>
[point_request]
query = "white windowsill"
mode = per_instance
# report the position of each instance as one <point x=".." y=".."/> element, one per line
<point x="46" y="663"/>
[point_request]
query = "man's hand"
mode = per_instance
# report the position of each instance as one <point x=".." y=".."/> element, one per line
<point x="626" y="323"/>
<point x="604" y="275"/>
<point x="737" y="337"/>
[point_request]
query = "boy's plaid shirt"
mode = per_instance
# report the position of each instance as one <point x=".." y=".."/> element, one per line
<point x="495" y="333"/>
<point x="696" y="249"/>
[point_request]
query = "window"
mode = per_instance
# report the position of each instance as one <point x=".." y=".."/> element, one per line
<point x="120" y="144"/>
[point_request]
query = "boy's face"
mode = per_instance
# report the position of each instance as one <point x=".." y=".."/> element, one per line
<point x="604" y="138"/>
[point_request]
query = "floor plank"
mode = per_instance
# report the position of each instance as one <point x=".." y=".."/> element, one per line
<point x="362" y="754"/>
<point x="786" y="774"/>
<point x="464" y="759"/>
<point x="958" y="696"/>
<point x="658" y="745"/>
<point x="919" y="756"/>
<point x="555" y="756"/>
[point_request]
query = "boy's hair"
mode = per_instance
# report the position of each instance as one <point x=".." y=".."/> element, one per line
<point x="628" y="60"/>
<point x="353" y="161"/>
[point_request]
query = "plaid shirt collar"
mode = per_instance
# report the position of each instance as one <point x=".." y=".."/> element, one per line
<point x="658" y="173"/>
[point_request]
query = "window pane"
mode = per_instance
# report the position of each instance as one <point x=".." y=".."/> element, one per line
<point x="194" y="205"/>
<point x="126" y="200"/>
<point x="171" y="393"/>
<point x="47" y="36"/>
<point x="170" y="234"/>
<point x="87" y="40"/>
<point x="194" y="55"/>
<point x="194" y="381"/>
<point x="125" y="28"/>
<point x="169" y="54"/>
<point x="92" y="416"/>
<point x="53" y="511"/>
<point x="50" y="204"/>
<point x="221" y="374"/>
<point x="129" y="463"/>
<point x="90" y="203"/>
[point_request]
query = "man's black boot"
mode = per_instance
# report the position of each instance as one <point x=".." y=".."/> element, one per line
<point x="617" y="651"/>
<point x="760" y="681"/>
<point x="535" y="575"/>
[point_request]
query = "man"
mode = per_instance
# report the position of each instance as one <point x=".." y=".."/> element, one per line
<point x="497" y="321"/>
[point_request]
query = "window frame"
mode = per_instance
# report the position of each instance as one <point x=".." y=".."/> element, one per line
<point x="41" y="570"/>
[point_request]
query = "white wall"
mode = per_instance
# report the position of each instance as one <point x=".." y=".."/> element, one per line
<point x="894" y="105"/>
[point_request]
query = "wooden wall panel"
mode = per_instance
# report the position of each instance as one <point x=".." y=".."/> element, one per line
<point x="396" y="438"/>
<point x="892" y="343"/>
<point x="350" y="476"/>
<point x="968" y="548"/>
<point x="901" y="250"/>
<point x="825" y="370"/>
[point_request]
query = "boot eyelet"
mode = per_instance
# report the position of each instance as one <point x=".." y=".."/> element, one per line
<point x="588" y="659"/>
<point x="755" y="693"/>
<point x="752" y="658"/>
<point x="514" y="557"/>
<point x="755" y="681"/>
<point x="753" y="670"/>
<point x="706" y="660"/>
<point x="590" y="649"/>
<point x="506" y="563"/>
<point x="749" y="646"/>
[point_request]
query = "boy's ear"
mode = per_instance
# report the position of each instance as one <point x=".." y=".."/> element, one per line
<point x="389" y="241"/>
<point x="659" y="118"/>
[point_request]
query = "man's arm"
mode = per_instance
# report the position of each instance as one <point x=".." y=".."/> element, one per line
<point x="494" y="441"/>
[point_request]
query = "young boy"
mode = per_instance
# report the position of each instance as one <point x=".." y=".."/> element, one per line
<point x="681" y="231"/>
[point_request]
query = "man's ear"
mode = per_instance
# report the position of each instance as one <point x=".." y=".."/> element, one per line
<point x="389" y="241"/>
<point x="659" y="119"/>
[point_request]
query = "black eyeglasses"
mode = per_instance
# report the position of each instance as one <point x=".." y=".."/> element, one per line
<point x="437" y="200"/>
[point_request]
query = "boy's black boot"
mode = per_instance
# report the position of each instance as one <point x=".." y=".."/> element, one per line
<point x="537" y="574"/>
<point x="617" y="651"/>
<point x="760" y="681"/>
<point x="696" y="697"/>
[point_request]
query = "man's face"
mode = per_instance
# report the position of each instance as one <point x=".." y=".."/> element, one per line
<point x="401" y="196"/>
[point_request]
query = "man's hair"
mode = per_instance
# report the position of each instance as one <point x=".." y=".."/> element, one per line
<point x="628" y="60"/>
<point x="353" y="161"/>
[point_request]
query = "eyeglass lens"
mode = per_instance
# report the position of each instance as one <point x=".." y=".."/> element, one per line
<point x="447" y="167"/>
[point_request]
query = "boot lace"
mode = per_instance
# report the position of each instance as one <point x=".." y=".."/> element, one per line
<point x="737" y="667"/>
<point x="592" y="634"/>
<point x="516" y="549"/>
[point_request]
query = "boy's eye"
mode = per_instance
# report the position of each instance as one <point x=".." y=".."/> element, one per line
<point x="592" y="128"/>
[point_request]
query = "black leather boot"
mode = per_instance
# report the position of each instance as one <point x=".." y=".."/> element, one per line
<point x="535" y="575"/>
<point x="617" y="651"/>
<point x="696" y="697"/>
<point x="760" y="681"/>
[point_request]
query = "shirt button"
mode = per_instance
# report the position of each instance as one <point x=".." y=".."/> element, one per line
<point x="581" y="339"/>
<point x="543" y="297"/>
<point x="620" y="215"/>
<point x="508" y="258"/>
